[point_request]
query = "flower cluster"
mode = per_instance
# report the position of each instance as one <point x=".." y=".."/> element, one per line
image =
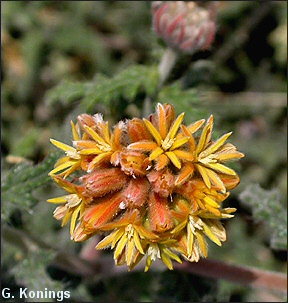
<point x="187" y="26"/>
<point x="150" y="186"/>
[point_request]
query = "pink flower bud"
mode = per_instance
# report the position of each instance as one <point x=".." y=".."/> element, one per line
<point x="188" y="26"/>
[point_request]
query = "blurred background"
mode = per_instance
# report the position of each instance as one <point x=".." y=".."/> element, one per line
<point x="242" y="80"/>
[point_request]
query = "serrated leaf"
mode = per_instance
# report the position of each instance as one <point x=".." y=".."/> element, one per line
<point x="127" y="83"/>
<point x="67" y="91"/>
<point x="183" y="100"/>
<point x="266" y="205"/>
<point x="103" y="90"/>
<point x="31" y="272"/>
<point x="19" y="183"/>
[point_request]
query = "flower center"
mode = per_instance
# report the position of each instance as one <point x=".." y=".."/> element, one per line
<point x="73" y="200"/>
<point x="167" y="143"/>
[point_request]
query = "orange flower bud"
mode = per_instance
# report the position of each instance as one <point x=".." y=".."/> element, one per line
<point x="133" y="163"/>
<point x="159" y="213"/>
<point x="105" y="209"/>
<point x="162" y="182"/>
<point x="103" y="181"/>
<point x="137" y="130"/>
<point x="135" y="195"/>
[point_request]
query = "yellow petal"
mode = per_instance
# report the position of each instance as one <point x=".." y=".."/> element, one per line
<point x="106" y="133"/>
<point x="61" y="167"/>
<point x="61" y="199"/>
<point x="161" y="120"/>
<point x="175" y="126"/>
<point x="90" y="151"/>
<point x="73" y="219"/>
<point x="230" y="156"/>
<point x="202" y="243"/>
<point x="138" y="242"/>
<point x="120" y="246"/>
<point x="154" y="132"/>
<point x="211" y="202"/>
<point x="195" y="126"/>
<point x="106" y="242"/>
<point x="179" y="142"/>
<point x="66" y="218"/>
<point x="174" y="159"/>
<point x="191" y="141"/>
<point x="93" y="134"/>
<point x="214" y="178"/>
<point x="221" y="168"/>
<point x="210" y="234"/>
<point x="98" y="159"/>
<point x="143" y="145"/>
<point x="148" y="263"/>
<point x="116" y="236"/>
<point x="172" y="255"/>
<point x="183" y="155"/>
<point x="205" y="135"/>
<point x="130" y="249"/>
<point x="190" y="240"/>
<point x="62" y="146"/>
<point x="167" y="261"/>
<point x="184" y="174"/>
<point x="203" y="172"/>
<point x="215" y="146"/>
<point x="75" y="133"/>
<point x="156" y="153"/>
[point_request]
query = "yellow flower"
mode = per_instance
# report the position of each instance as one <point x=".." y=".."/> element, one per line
<point x="128" y="238"/>
<point x="151" y="186"/>
<point x="194" y="226"/>
<point x="165" y="147"/>
<point x="72" y="205"/>
<point x="209" y="156"/>
<point x="99" y="143"/>
<point x="72" y="160"/>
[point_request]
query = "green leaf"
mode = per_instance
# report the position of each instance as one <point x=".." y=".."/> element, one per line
<point x="31" y="272"/>
<point x="66" y="92"/>
<point x="126" y="84"/>
<point x="183" y="100"/>
<point x="103" y="90"/>
<point x="266" y="205"/>
<point x="19" y="183"/>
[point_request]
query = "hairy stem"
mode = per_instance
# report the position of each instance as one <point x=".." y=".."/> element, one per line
<point x="244" y="275"/>
<point x="166" y="65"/>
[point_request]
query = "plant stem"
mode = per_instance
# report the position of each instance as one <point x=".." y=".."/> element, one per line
<point x="244" y="275"/>
<point x="166" y="65"/>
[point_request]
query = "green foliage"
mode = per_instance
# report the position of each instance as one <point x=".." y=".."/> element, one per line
<point x="19" y="183"/>
<point x="183" y="100"/>
<point x="267" y="206"/>
<point x="31" y="272"/>
<point x="126" y="84"/>
<point x="63" y="58"/>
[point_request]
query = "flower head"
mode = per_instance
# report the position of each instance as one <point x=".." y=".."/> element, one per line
<point x="150" y="186"/>
<point x="187" y="26"/>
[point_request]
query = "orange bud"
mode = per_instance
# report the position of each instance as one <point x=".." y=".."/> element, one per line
<point x="159" y="213"/>
<point x="162" y="181"/>
<point x="102" y="212"/>
<point x="135" y="195"/>
<point x="85" y="119"/>
<point x="104" y="181"/>
<point x="137" y="130"/>
<point x="133" y="163"/>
